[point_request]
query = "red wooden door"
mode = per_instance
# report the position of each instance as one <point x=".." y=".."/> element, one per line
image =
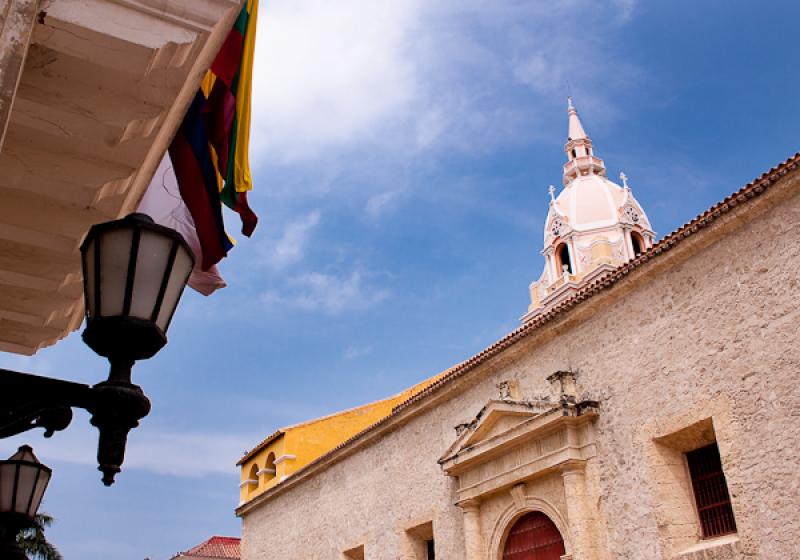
<point x="534" y="537"/>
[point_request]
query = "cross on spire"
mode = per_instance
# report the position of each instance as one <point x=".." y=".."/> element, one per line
<point x="552" y="190"/>
<point x="624" y="179"/>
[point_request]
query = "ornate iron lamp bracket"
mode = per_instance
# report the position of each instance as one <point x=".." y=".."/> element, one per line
<point x="31" y="401"/>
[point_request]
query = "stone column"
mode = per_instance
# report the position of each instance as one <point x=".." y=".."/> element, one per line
<point x="573" y="251"/>
<point x="579" y="518"/>
<point x="17" y="18"/>
<point x="626" y="234"/>
<point x="473" y="540"/>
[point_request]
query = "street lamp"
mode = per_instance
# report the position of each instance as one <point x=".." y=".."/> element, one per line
<point x="134" y="272"/>
<point x="23" y="480"/>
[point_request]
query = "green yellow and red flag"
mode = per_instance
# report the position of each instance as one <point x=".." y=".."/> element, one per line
<point x="210" y="150"/>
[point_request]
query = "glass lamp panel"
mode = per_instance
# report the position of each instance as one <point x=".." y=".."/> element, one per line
<point x="115" y="250"/>
<point x="7" y="476"/>
<point x="90" y="278"/>
<point x="177" y="280"/>
<point x="151" y="263"/>
<point x="38" y="492"/>
<point x="25" y="487"/>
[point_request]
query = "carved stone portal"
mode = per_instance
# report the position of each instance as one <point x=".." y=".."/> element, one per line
<point x="512" y="442"/>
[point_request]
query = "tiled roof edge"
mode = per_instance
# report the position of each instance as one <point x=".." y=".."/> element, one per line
<point x="263" y="443"/>
<point x="749" y="191"/>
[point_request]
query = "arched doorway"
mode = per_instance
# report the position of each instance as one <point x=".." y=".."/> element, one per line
<point x="534" y="537"/>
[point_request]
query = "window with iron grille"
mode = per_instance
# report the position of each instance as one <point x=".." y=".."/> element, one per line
<point x="711" y="492"/>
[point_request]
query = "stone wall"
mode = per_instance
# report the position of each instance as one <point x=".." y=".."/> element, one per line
<point x="704" y="337"/>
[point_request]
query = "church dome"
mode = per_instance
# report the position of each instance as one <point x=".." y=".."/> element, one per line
<point x="590" y="202"/>
<point x="592" y="226"/>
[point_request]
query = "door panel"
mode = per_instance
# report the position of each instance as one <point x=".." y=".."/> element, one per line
<point x="534" y="537"/>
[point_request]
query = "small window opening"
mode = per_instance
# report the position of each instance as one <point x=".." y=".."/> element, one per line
<point x="574" y="153"/>
<point x="711" y="492"/>
<point x="563" y="259"/>
<point x="269" y="468"/>
<point x="638" y="244"/>
<point x="430" y="549"/>
<point x="420" y="542"/>
<point x="252" y="479"/>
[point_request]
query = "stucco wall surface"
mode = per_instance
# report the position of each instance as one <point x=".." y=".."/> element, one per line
<point x="713" y="336"/>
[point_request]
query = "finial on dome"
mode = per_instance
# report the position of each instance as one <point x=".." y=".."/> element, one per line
<point x="569" y="103"/>
<point x="552" y="190"/>
<point x="624" y="179"/>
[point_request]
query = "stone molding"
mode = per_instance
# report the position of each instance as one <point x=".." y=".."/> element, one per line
<point x="285" y="457"/>
<point x="547" y="437"/>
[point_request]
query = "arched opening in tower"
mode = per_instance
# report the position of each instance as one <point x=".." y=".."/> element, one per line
<point x="563" y="259"/>
<point x="638" y="243"/>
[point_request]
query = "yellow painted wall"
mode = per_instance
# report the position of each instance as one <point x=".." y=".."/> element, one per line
<point x="302" y="443"/>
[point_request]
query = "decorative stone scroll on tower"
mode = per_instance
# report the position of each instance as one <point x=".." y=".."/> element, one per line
<point x="593" y="225"/>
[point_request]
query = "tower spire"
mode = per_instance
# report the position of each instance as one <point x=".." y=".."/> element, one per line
<point x="580" y="154"/>
<point x="576" y="130"/>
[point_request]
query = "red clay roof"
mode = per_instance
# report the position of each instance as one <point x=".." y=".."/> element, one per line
<point x="215" y="547"/>
<point x="604" y="282"/>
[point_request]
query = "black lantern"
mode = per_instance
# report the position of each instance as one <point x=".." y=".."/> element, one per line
<point x="23" y="480"/>
<point x="134" y="274"/>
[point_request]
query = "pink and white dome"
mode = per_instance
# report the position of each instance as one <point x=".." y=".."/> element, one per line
<point x="592" y="226"/>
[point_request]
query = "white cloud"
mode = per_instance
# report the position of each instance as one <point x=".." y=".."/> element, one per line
<point x="327" y="293"/>
<point x="327" y="72"/>
<point x="378" y="204"/>
<point x="291" y="246"/>
<point x="354" y="352"/>
<point x="166" y="452"/>
<point x="418" y="75"/>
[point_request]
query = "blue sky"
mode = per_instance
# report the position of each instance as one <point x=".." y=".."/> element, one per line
<point x="401" y="154"/>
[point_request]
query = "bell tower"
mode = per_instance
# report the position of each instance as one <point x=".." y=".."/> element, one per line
<point x="593" y="225"/>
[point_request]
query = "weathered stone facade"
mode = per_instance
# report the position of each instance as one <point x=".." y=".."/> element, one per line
<point x="695" y="342"/>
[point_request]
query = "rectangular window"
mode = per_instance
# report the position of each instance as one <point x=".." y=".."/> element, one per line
<point x="419" y="542"/>
<point x="711" y="491"/>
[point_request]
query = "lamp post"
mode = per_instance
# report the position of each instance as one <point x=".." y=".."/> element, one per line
<point x="23" y="480"/>
<point x="134" y="272"/>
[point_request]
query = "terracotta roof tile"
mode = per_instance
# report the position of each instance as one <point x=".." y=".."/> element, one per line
<point x="261" y="445"/>
<point x="746" y="193"/>
<point x="215" y="547"/>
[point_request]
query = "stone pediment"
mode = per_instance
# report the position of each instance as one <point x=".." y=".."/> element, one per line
<point x="509" y="442"/>
<point x="496" y="418"/>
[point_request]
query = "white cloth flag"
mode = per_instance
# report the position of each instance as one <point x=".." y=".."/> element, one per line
<point x="164" y="204"/>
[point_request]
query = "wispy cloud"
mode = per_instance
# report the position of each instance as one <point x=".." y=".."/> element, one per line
<point x="328" y="293"/>
<point x="421" y="75"/>
<point x="355" y="352"/>
<point x="291" y="246"/>
<point x="380" y="203"/>
<point x="166" y="452"/>
<point x="328" y="71"/>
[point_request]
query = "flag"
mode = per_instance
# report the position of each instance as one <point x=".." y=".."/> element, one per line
<point x="209" y="152"/>
<point x="163" y="202"/>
